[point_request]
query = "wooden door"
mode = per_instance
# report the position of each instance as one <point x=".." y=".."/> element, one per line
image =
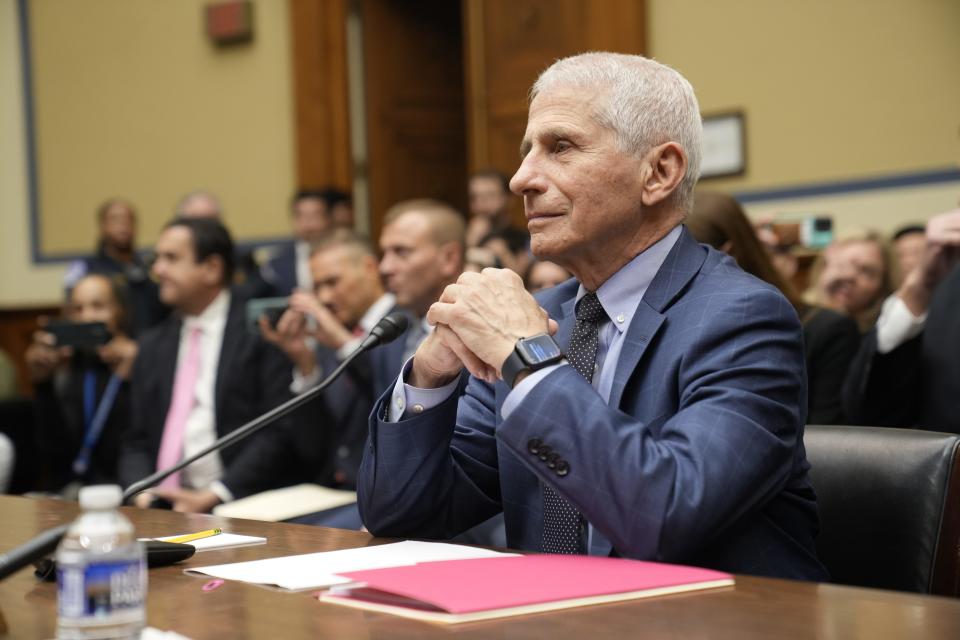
<point x="416" y="130"/>
<point x="509" y="42"/>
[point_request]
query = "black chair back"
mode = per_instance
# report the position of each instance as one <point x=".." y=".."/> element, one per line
<point x="889" y="506"/>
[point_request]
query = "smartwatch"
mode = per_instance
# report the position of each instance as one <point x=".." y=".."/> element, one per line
<point x="530" y="354"/>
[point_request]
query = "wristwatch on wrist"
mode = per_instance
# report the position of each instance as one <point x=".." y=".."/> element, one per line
<point x="530" y="354"/>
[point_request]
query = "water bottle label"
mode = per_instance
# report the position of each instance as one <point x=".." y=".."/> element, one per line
<point x="103" y="590"/>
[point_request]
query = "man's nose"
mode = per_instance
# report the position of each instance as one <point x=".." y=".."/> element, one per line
<point x="527" y="179"/>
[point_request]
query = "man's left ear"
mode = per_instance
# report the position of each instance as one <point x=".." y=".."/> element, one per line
<point x="664" y="173"/>
<point x="452" y="258"/>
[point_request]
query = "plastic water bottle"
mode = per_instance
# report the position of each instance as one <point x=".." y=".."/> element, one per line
<point x="101" y="573"/>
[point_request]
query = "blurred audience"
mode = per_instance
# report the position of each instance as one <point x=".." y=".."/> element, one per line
<point x="289" y="267"/>
<point x="82" y="393"/>
<point x="830" y="339"/>
<point x="422" y="244"/>
<point x="340" y="206"/>
<point x="116" y="256"/>
<point x="199" y="204"/>
<point x="854" y="277"/>
<point x="907" y="372"/>
<point x="489" y="221"/>
<point x="347" y="302"/>
<point x="200" y="375"/>
<point x="779" y="249"/>
<point x="248" y="281"/>
<point x="908" y="243"/>
<point x="544" y="274"/>
<point x="480" y="258"/>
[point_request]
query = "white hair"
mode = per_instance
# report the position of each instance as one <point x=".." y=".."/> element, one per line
<point x="647" y="104"/>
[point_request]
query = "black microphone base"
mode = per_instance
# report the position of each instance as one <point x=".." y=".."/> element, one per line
<point x="159" y="554"/>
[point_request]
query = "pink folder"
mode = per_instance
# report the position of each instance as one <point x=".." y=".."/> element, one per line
<point x="476" y="589"/>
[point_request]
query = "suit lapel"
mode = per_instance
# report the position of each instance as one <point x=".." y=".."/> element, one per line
<point x="166" y="364"/>
<point x="567" y="320"/>
<point x="645" y="325"/>
<point x="233" y="336"/>
<point x="681" y="265"/>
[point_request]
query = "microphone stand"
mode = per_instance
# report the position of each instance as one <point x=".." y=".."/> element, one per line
<point x="46" y="543"/>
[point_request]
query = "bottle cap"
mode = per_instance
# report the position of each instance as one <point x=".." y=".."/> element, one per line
<point x="100" y="496"/>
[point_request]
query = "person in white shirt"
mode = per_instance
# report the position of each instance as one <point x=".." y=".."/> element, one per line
<point x="201" y="374"/>
<point x="907" y="372"/>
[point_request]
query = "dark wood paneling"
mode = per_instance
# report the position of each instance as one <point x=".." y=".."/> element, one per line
<point x="509" y="42"/>
<point x="319" y="35"/>
<point x="414" y="87"/>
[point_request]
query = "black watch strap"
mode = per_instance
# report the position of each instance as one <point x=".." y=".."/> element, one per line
<point x="529" y="354"/>
<point x="512" y="367"/>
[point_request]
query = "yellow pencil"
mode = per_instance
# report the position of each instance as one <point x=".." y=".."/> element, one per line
<point x="190" y="537"/>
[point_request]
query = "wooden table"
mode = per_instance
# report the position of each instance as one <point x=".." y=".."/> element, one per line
<point x="756" y="608"/>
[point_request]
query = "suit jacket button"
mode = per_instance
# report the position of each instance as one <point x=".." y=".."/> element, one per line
<point x="544" y="452"/>
<point x="533" y="445"/>
<point x="563" y="468"/>
<point x="552" y="460"/>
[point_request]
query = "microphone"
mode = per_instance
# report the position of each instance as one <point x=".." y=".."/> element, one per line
<point x="389" y="328"/>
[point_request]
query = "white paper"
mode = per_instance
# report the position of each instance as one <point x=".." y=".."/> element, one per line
<point x="152" y="633"/>
<point x="219" y="541"/>
<point x="316" y="570"/>
<point x="282" y="504"/>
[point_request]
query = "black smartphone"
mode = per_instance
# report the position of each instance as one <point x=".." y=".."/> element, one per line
<point x="78" y="334"/>
<point x="273" y="308"/>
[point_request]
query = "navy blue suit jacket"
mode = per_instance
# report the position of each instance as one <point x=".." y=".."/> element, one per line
<point x="698" y="458"/>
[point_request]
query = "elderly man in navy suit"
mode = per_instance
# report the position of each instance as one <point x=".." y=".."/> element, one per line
<point x="652" y="407"/>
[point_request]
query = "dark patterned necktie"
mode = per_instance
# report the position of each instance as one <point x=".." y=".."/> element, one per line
<point x="563" y="526"/>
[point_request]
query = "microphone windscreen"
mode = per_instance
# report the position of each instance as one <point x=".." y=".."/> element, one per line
<point x="390" y="327"/>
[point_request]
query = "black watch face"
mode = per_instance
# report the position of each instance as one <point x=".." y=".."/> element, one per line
<point x="539" y="349"/>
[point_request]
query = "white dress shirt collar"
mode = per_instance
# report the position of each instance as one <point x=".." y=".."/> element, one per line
<point x="213" y="317"/>
<point x="377" y="310"/>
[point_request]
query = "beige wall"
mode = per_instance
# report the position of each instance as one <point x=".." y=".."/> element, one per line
<point x="832" y="90"/>
<point x="133" y="100"/>
<point x="21" y="283"/>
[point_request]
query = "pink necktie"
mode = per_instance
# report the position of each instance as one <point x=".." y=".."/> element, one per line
<point x="184" y="395"/>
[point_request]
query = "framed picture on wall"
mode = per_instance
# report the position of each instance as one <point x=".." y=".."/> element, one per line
<point x="724" y="145"/>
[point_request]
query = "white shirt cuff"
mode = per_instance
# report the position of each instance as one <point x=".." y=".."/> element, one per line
<point x="407" y="400"/>
<point x="525" y="386"/>
<point x="301" y="382"/>
<point x="221" y="490"/>
<point x="897" y="324"/>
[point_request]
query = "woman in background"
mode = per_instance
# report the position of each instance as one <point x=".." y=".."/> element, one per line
<point x="853" y="276"/>
<point x="831" y="339"/>
<point x="82" y="394"/>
